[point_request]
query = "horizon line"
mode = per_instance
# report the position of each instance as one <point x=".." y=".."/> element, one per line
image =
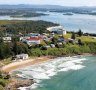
<point x="50" y="5"/>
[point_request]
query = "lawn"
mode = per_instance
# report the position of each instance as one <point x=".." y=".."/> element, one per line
<point x="87" y="39"/>
<point x="3" y="22"/>
<point x="83" y="38"/>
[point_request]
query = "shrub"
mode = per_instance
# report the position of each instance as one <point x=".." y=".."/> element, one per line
<point x="1" y="87"/>
<point x="2" y="82"/>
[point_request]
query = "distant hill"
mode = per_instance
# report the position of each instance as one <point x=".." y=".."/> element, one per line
<point x="30" y="6"/>
<point x="56" y="8"/>
<point x="4" y="6"/>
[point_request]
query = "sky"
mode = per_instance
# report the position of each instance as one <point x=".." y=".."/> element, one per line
<point x="52" y="2"/>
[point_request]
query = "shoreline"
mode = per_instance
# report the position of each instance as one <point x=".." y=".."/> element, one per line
<point x="32" y="61"/>
<point x="20" y="64"/>
<point x="15" y="82"/>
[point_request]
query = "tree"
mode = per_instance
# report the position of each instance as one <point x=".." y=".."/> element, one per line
<point x="80" y="42"/>
<point x="15" y="39"/>
<point x="19" y="48"/>
<point x="54" y="40"/>
<point x="5" y="50"/>
<point x="80" y="33"/>
<point x="1" y="40"/>
<point x="73" y="36"/>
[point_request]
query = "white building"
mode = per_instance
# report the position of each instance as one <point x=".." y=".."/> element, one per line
<point x="23" y="38"/>
<point x="63" y="32"/>
<point x="22" y="56"/>
<point x="7" y="39"/>
<point x="57" y="29"/>
<point x="33" y="40"/>
<point x="33" y="34"/>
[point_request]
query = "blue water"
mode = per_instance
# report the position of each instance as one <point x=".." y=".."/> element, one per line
<point x="71" y="73"/>
<point x="71" y="23"/>
<point x="84" y="79"/>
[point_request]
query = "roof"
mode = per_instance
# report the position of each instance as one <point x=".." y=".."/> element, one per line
<point x="22" y="55"/>
<point x="34" y="38"/>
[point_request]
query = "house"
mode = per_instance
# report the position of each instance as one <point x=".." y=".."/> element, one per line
<point x="52" y="45"/>
<point x="61" y="40"/>
<point x="22" y="56"/>
<point x="57" y="29"/>
<point x="7" y="39"/>
<point x="53" y="34"/>
<point x="47" y="46"/>
<point x="59" y="45"/>
<point x="93" y="37"/>
<point x="72" y="40"/>
<point x="33" y="40"/>
<point x="33" y="34"/>
<point x="61" y="31"/>
<point x="23" y="38"/>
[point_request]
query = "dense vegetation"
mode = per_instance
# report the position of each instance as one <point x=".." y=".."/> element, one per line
<point x="68" y="49"/>
<point x="4" y="80"/>
<point x="20" y="13"/>
<point x="28" y="15"/>
<point x="26" y="27"/>
<point x="15" y="28"/>
<point x="85" y="43"/>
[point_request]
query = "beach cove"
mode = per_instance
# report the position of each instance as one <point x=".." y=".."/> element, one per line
<point x="69" y="73"/>
<point x="45" y="70"/>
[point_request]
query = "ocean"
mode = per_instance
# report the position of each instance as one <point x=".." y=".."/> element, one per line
<point x="62" y="73"/>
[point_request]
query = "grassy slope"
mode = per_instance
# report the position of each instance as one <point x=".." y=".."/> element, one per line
<point x="83" y="38"/>
<point x="2" y="22"/>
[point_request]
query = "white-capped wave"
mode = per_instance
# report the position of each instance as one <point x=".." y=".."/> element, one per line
<point x="48" y="69"/>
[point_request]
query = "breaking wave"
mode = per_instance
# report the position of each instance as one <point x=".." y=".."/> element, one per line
<point x="50" y="68"/>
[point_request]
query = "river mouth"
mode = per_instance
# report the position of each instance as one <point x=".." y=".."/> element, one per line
<point x="63" y="73"/>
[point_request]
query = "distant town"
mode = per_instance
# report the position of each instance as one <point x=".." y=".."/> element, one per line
<point x="22" y="44"/>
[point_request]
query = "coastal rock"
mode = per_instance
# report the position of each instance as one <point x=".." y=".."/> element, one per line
<point x="19" y="83"/>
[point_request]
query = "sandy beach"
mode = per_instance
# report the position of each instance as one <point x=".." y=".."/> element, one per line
<point x="20" y="64"/>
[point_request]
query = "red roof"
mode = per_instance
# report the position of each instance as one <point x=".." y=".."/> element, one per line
<point x="34" y="38"/>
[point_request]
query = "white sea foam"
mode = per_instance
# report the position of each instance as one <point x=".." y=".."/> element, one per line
<point x="48" y="69"/>
<point x="23" y="88"/>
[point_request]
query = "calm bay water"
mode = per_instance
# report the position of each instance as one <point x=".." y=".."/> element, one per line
<point x="71" y="23"/>
<point x="66" y="73"/>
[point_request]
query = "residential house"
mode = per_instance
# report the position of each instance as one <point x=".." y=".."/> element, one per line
<point x="57" y="29"/>
<point x="73" y="40"/>
<point x="33" y="41"/>
<point x="33" y="34"/>
<point x="52" y="45"/>
<point x="61" y="40"/>
<point x="7" y="39"/>
<point x="22" y="56"/>
<point x="47" y="46"/>
<point x="23" y="38"/>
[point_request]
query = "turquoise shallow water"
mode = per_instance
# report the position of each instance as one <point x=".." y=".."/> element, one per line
<point x="77" y="73"/>
<point x="83" y="79"/>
